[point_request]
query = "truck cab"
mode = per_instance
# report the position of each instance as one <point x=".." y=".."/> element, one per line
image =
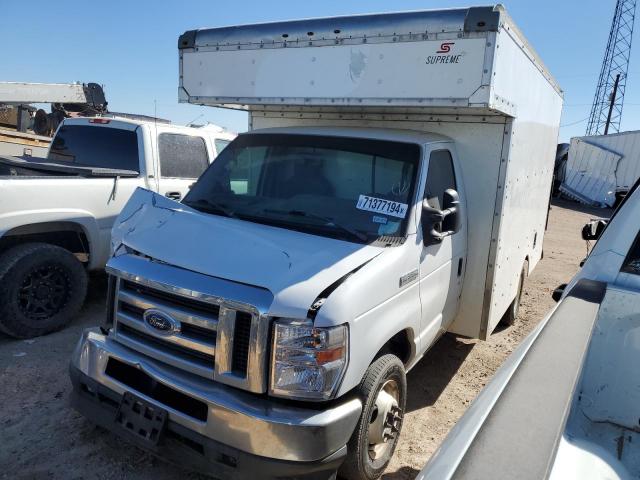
<point x="354" y="195"/>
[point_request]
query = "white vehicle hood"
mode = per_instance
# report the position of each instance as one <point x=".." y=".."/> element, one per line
<point x="295" y="267"/>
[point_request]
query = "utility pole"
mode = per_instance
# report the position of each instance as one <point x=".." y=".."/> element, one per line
<point x="606" y="111"/>
<point x="611" y="105"/>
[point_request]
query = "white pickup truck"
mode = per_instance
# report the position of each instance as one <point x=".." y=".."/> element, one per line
<point x="56" y="215"/>
<point x="393" y="186"/>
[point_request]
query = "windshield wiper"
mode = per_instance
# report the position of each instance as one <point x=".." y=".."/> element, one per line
<point x="210" y="206"/>
<point x="330" y="221"/>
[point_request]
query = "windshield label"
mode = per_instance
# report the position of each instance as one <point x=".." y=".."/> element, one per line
<point x="380" y="205"/>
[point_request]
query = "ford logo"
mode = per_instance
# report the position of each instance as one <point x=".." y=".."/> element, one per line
<point x="160" y="322"/>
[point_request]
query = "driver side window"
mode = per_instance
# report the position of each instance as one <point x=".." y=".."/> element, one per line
<point x="440" y="177"/>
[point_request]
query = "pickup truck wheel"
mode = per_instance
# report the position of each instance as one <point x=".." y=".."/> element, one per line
<point x="42" y="287"/>
<point x="383" y="391"/>
<point x="511" y="314"/>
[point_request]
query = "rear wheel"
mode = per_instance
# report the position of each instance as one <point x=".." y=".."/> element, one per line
<point x="511" y="314"/>
<point x="383" y="391"/>
<point x="42" y="287"/>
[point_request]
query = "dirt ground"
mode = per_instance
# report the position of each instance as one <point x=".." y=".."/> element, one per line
<point x="42" y="438"/>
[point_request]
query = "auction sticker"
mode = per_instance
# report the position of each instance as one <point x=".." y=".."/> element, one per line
<point x="380" y="205"/>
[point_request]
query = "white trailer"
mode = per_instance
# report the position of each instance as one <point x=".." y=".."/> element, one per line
<point x="602" y="168"/>
<point x="394" y="185"/>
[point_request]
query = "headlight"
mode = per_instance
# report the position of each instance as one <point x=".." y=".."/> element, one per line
<point x="307" y="362"/>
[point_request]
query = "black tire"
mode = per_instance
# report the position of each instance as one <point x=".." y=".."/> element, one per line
<point x="359" y="464"/>
<point x="42" y="288"/>
<point x="511" y="314"/>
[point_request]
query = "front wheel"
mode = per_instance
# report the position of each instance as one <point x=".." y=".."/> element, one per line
<point x="384" y="392"/>
<point x="42" y="287"/>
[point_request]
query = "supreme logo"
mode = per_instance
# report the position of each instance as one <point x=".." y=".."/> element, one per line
<point x="444" y="55"/>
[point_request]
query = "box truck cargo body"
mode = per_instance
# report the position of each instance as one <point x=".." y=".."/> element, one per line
<point x="393" y="185"/>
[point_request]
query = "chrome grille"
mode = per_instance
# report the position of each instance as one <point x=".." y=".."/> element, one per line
<point x="192" y="348"/>
<point x="209" y="333"/>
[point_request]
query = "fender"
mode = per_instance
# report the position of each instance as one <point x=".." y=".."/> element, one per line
<point x="359" y="304"/>
<point x="83" y="218"/>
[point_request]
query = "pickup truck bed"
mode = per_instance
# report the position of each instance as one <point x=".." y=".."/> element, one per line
<point x="560" y="406"/>
<point x="18" y="167"/>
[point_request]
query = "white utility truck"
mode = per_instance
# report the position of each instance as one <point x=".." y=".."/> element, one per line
<point x="56" y="214"/>
<point x="393" y="186"/>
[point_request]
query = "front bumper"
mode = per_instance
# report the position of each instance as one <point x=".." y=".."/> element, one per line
<point x="245" y="430"/>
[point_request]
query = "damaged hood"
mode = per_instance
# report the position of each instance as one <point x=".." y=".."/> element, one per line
<point x="295" y="267"/>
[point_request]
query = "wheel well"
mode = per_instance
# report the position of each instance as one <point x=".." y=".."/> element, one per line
<point x="399" y="345"/>
<point x="67" y="235"/>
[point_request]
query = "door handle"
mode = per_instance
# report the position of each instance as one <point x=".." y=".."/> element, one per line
<point x="173" y="195"/>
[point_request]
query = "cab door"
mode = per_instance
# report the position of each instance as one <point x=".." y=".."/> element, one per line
<point x="442" y="263"/>
<point x="182" y="159"/>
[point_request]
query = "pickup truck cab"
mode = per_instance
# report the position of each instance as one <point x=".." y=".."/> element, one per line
<point x="564" y="404"/>
<point x="56" y="214"/>
<point x="264" y="325"/>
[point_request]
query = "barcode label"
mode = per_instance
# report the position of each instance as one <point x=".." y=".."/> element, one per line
<point x="380" y="205"/>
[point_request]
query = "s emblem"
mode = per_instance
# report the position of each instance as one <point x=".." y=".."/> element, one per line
<point x="160" y="322"/>
<point x="445" y="47"/>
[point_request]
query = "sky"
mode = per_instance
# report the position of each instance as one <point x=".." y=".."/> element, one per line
<point x="130" y="47"/>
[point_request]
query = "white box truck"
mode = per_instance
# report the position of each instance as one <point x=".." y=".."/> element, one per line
<point x="393" y="186"/>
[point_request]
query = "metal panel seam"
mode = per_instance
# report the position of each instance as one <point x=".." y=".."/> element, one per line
<point x="495" y="231"/>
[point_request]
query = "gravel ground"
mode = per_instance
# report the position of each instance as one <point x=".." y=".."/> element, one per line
<point x="41" y="437"/>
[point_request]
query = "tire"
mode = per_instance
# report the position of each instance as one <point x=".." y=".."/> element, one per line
<point x="42" y="288"/>
<point x="364" y="462"/>
<point x="511" y="314"/>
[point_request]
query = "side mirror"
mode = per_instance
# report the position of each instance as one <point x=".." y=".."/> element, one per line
<point x="452" y="220"/>
<point x="438" y="224"/>
<point x="593" y="229"/>
<point x="557" y="293"/>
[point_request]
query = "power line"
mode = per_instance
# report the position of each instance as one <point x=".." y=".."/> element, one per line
<point x="574" y="123"/>
<point x="627" y="104"/>
<point x="580" y="75"/>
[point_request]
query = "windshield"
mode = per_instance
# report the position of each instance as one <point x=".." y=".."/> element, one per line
<point x="348" y="188"/>
<point x="100" y="147"/>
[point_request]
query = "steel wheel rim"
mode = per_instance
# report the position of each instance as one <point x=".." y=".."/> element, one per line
<point x="516" y="306"/>
<point x="385" y="420"/>
<point x="44" y="292"/>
